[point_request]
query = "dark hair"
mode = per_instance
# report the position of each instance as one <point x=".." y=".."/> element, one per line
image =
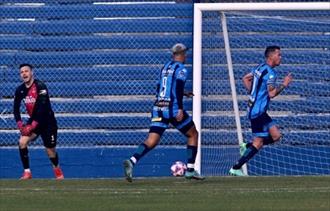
<point x="271" y="49"/>
<point x="25" y="64"/>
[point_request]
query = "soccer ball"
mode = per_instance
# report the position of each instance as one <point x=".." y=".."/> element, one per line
<point x="178" y="169"/>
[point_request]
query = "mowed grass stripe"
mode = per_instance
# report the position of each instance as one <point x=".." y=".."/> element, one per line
<point x="215" y="193"/>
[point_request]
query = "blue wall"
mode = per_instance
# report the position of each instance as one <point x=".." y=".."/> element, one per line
<point x="106" y="162"/>
<point x="98" y="162"/>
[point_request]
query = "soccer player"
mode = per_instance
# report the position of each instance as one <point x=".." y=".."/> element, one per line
<point x="261" y="85"/>
<point x="34" y="94"/>
<point x="168" y="108"/>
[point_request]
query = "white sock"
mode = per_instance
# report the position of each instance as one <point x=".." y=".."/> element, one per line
<point x="133" y="159"/>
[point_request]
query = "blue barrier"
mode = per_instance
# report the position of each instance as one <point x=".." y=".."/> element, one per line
<point x="106" y="162"/>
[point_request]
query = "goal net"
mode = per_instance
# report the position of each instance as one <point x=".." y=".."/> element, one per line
<point x="302" y="111"/>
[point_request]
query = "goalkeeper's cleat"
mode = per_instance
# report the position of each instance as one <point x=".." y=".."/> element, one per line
<point x="128" y="170"/>
<point x="193" y="175"/>
<point x="58" y="173"/>
<point x="236" y="172"/>
<point x="242" y="148"/>
<point x="26" y="175"/>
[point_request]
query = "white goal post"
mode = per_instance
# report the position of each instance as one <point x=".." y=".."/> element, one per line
<point x="197" y="52"/>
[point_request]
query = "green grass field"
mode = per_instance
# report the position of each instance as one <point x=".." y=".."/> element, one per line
<point x="214" y="193"/>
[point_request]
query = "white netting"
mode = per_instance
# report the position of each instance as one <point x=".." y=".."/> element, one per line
<point x="302" y="111"/>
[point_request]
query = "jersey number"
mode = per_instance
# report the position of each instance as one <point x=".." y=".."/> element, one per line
<point x="163" y="92"/>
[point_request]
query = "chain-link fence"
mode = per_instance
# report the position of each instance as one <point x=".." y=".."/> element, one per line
<point x="100" y="62"/>
<point x="301" y="111"/>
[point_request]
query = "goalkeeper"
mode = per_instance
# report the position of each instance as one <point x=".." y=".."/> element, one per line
<point x="168" y="108"/>
<point x="42" y="121"/>
<point x="261" y="85"/>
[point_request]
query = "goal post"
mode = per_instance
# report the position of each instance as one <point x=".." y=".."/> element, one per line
<point x="199" y="9"/>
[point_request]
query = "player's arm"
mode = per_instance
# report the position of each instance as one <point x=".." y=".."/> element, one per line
<point x="41" y="106"/>
<point x="157" y="88"/>
<point x="247" y="81"/>
<point x="180" y="92"/>
<point x="180" y="83"/>
<point x="17" y="105"/>
<point x="159" y="81"/>
<point x="274" y="90"/>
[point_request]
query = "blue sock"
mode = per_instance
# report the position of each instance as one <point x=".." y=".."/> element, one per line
<point x="191" y="157"/>
<point x="249" y="153"/>
<point x="140" y="152"/>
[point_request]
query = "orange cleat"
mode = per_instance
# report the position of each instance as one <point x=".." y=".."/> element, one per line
<point x="58" y="173"/>
<point x="26" y="175"/>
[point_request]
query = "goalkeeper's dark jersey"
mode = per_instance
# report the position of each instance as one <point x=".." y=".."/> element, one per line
<point x="37" y="103"/>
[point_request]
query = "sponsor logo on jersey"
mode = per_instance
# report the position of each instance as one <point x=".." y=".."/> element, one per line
<point x="167" y="71"/>
<point x="181" y="74"/>
<point x="156" y="119"/>
<point x="43" y="92"/>
<point x="29" y="100"/>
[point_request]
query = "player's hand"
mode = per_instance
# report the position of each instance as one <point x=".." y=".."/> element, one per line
<point x="287" y="80"/>
<point x="248" y="77"/>
<point x="20" y="125"/>
<point x="189" y="94"/>
<point x="179" y="116"/>
<point x="26" y="130"/>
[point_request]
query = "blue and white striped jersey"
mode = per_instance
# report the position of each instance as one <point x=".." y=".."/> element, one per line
<point x="171" y="84"/>
<point x="263" y="76"/>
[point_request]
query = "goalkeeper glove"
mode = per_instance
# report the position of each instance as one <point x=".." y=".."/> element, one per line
<point x="20" y="124"/>
<point x="27" y="129"/>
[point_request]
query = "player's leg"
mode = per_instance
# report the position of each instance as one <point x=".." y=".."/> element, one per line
<point x="274" y="135"/>
<point x="152" y="140"/>
<point x="24" y="154"/>
<point x="260" y="130"/>
<point x="157" y="127"/>
<point x="49" y="137"/>
<point x="192" y="143"/>
<point x="187" y="127"/>
<point x="150" y="143"/>
<point x="53" y="157"/>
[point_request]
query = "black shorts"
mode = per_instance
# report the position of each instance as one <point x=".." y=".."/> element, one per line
<point x="260" y="125"/>
<point x="48" y="133"/>
<point x="161" y="125"/>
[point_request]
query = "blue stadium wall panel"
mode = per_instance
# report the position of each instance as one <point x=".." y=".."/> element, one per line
<point x="106" y="162"/>
<point x="96" y="162"/>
